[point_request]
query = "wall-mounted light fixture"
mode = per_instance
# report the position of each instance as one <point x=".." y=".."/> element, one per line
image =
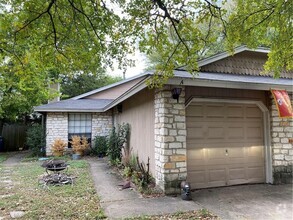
<point x="176" y="93"/>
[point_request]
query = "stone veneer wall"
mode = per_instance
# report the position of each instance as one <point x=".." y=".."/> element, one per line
<point x="56" y="127"/>
<point x="102" y="123"/>
<point x="170" y="140"/>
<point x="282" y="145"/>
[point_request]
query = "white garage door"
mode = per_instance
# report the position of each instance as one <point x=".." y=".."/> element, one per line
<point x="224" y="145"/>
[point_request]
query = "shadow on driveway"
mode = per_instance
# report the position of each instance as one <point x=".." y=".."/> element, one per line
<point x="260" y="201"/>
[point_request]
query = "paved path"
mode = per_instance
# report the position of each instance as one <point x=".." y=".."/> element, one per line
<point x="257" y="202"/>
<point x="15" y="158"/>
<point x="119" y="204"/>
<point x="6" y="171"/>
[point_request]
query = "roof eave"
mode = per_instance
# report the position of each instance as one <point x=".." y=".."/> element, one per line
<point x="68" y="110"/>
<point x="228" y="84"/>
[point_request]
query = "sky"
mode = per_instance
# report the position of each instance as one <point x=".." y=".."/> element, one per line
<point x="139" y="67"/>
<point x="139" y="58"/>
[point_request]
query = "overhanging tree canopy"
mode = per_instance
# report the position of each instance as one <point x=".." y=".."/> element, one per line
<point x="83" y="35"/>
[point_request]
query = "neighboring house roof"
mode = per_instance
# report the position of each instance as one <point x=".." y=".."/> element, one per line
<point x="222" y="70"/>
<point x="81" y="105"/>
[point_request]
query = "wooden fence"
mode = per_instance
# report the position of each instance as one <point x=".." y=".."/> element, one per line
<point x="14" y="136"/>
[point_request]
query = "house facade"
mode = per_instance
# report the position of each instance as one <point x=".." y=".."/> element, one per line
<point x="224" y="128"/>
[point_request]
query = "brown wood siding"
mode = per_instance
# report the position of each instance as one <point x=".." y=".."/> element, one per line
<point x="245" y="63"/>
<point x="115" y="92"/>
<point x="222" y="93"/>
<point x="139" y="112"/>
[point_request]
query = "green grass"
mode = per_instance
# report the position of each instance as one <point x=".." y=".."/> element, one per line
<point x="77" y="201"/>
<point x="3" y="156"/>
<point x="201" y="214"/>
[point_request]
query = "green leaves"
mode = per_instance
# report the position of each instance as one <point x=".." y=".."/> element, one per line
<point x="81" y="36"/>
<point x="264" y="23"/>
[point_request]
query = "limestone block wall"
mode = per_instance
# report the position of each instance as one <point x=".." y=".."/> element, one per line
<point x="56" y="127"/>
<point x="102" y="123"/>
<point x="282" y="145"/>
<point x="170" y="140"/>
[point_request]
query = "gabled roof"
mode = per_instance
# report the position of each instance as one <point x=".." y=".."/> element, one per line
<point x="224" y="55"/>
<point x="142" y="76"/>
<point x="94" y="102"/>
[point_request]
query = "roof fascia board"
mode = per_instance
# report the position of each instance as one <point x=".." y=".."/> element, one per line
<point x="109" y="86"/>
<point x="140" y="86"/>
<point x="227" y="84"/>
<point x="66" y="110"/>
<point x="223" y="55"/>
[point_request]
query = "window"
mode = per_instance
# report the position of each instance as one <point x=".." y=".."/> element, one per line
<point x="79" y="124"/>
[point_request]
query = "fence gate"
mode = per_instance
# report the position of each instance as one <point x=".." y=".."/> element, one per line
<point x="14" y="136"/>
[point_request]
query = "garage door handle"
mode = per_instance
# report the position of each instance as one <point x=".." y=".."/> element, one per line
<point x="226" y="152"/>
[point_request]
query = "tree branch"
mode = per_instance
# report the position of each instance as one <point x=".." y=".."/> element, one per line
<point x="37" y="17"/>
<point x="162" y="6"/>
<point x="87" y="17"/>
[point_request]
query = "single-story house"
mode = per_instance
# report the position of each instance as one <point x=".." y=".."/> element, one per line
<point x="223" y="130"/>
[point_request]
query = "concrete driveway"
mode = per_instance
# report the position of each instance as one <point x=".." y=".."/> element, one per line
<point x="260" y="201"/>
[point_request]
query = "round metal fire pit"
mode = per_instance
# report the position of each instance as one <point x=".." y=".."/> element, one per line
<point x="54" y="165"/>
<point x="56" y="169"/>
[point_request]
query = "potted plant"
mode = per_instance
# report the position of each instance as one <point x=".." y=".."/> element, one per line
<point x="79" y="144"/>
<point x="58" y="147"/>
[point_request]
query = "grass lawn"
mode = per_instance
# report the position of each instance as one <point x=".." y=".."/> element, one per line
<point x="3" y="156"/>
<point x="202" y="214"/>
<point x="77" y="201"/>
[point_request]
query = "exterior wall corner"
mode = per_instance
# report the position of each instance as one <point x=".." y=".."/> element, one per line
<point x="282" y="145"/>
<point x="170" y="140"/>
<point x="56" y="127"/>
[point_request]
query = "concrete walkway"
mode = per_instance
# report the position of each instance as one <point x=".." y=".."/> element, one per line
<point x="119" y="204"/>
<point x="14" y="158"/>
<point x="6" y="182"/>
<point x="255" y="202"/>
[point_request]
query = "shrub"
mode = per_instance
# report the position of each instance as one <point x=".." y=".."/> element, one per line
<point x="114" y="150"/>
<point x="58" y="145"/>
<point x="100" y="146"/>
<point x="116" y="142"/>
<point x="79" y="144"/>
<point x="36" y="140"/>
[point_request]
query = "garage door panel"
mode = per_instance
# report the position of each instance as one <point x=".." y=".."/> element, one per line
<point x="197" y="178"/>
<point x="254" y="132"/>
<point x="197" y="132"/>
<point x="255" y="172"/>
<point x="253" y="112"/>
<point x="224" y="145"/>
<point x="215" y="153"/>
<point x="235" y="112"/>
<point x="237" y="174"/>
<point x="196" y="158"/>
<point x="235" y="132"/>
<point x="236" y="152"/>
<point x="214" y="132"/>
<point x="195" y="111"/>
<point x="217" y="174"/>
<point x="214" y="111"/>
